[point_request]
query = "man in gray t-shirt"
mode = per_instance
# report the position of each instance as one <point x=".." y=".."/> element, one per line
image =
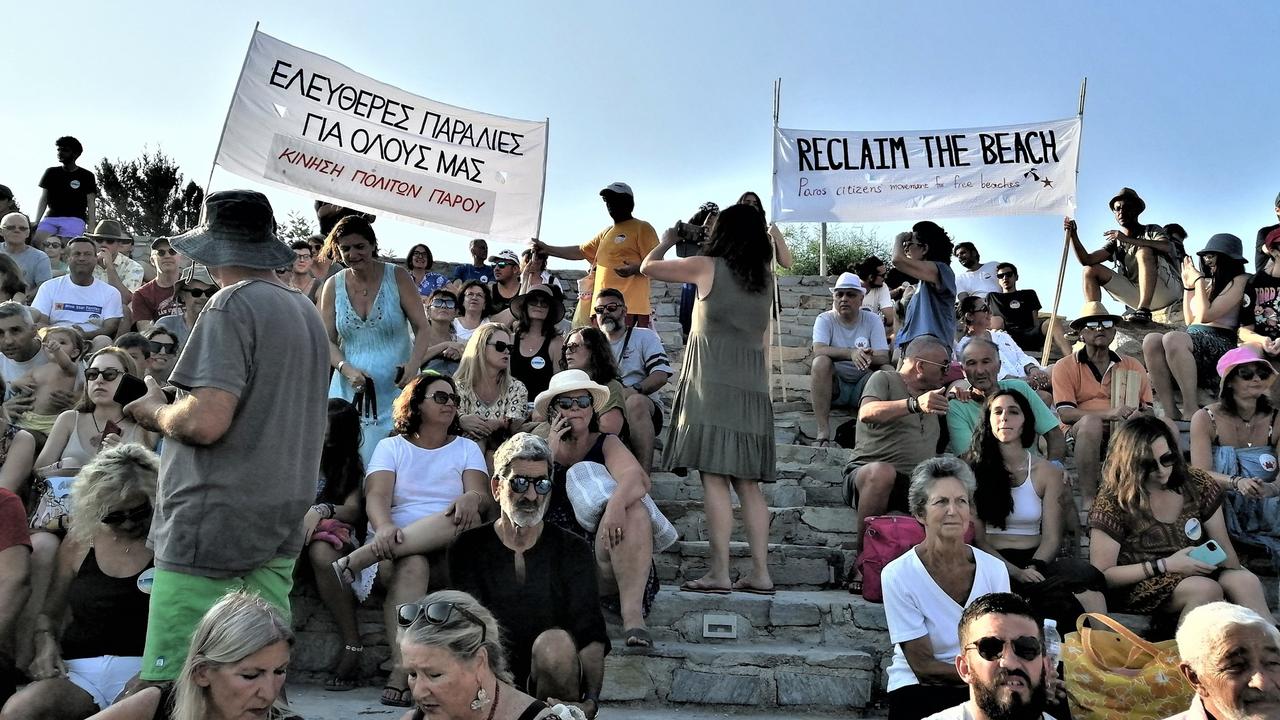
<point x="15" y="227"/>
<point x="848" y="345"/>
<point x="645" y="369"/>
<point x="242" y="442"/>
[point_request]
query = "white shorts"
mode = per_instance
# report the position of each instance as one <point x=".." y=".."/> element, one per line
<point x="103" y="677"/>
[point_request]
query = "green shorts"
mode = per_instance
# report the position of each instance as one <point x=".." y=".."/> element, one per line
<point x="179" y="601"/>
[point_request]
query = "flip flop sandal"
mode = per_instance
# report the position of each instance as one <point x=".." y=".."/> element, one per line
<point x="340" y="680"/>
<point x="742" y="587"/>
<point x="402" y="697"/>
<point x="638" y="637"/>
<point x="690" y="587"/>
<point x="342" y="568"/>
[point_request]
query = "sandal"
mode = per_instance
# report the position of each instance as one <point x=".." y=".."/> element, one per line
<point x="704" y="589"/>
<point x="638" y="637"/>
<point x="741" y="586"/>
<point x="396" y="697"/>
<point x="347" y="673"/>
<point x="854" y="584"/>
<point x="823" y="442"/>
<point x="342" y="568"/>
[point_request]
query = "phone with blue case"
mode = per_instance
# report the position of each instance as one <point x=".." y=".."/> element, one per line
<point x="1210" y="553"/>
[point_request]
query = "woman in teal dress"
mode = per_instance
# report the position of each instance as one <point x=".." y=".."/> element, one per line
<point x="722" y="417"/>
<point x="368" y="309"/>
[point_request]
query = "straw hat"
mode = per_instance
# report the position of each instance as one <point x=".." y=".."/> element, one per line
<point x="1093" y="310"/>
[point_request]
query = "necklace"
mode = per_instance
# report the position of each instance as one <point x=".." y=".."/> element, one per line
<point x="97" y="429"/>
<point x="1248" y="429"/>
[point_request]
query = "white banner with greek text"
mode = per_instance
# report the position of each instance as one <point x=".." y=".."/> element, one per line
<point x="303" y="122"/>
<point x="837" y="176"/>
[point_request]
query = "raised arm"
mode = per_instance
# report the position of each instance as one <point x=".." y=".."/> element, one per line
<point x="697" y="270"/>
<point x="1085" y="257"/>
<point x="926" y="270"/>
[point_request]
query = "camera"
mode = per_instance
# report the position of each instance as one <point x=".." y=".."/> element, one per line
<point x="689" y="239"/>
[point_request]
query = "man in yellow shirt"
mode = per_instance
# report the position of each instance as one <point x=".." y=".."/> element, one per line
<point x="616" y="252"/>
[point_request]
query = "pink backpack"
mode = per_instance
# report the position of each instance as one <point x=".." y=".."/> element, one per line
<point x="885" y="538"/>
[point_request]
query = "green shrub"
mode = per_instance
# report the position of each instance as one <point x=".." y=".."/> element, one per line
<point x="847" y="245"/>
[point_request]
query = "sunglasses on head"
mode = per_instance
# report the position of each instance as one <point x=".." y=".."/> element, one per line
<point x="1258" y="370"/>
<point x="1099" y="325"/>
<point x="441" y="397"/>
<point x="444" y="304"/>
<point x="436" y="613"/>
<point x="163" y="348"/>
<point x="206" y="292"/>
<point x="109" y="374"/>
<point x="500" y="346"/>
<point x="1165" y="460"/>
<point x="582" y="401"/>
<point x="120" y="517"/>
<point x="992" y="648"/>
<point x="520" y="484"/>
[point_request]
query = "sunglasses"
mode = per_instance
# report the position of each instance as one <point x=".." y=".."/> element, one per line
<point x="572" y="347"/>
<point x="846" y="293"/>
<point x="582" y="401"/>
<point x="520" y="484"/>
<point x="15" y="228"/>
<point x="441" y="397"/>
<point x="981" y="308"/>
<point x="165" y="253"/>
<point x="207" y="292"/>
<point x="109" y="374"/>
<point x="1005" y="274"/>
<point x="992" y="648"/>
<point x="611" y="307"/>
<point x="436" y="613"/>
<point x="164" y="348"/>
<point x="941" y="365"/>
<point x="503" y="264"/>
<point x="500" y="346"/>
<point x="1166" y="460"/>
<point x="1262" y="372"/>
<point x="444" y="304"/>
<point x="120" y="517"/>
<point x="1099" y="325"/>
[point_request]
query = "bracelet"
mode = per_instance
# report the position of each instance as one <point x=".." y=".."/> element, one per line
<point x="913" y="406"/>
<point x="341" y="363"/>
<point x="1189" y="289"/>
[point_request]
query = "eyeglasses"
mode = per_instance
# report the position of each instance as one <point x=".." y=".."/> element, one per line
<point x="992" y="648"/>
<point x="444" y="304"/>
<point x="520" y="484"/>
<point x="1099" y="325"/>
<point x="165" y="253"/>
<point x="572" y="347"/>
<point x="207" y="292"/>
<point x="609" y="307"/>
<point x="500" y="346"/>
<point x="164" y="348"/>
<point x="120" y="517"/>
<point x="1262" y="372"/>
<point x="300" y="256"/>
<point x="582" y="401"/>
<point x="436" y="613"/>
<point x="981" y="308"/>
<point x="110" y="374"/>
<point x="417" y="254"/>
<point x="1005" y="274"/>
<point x="441" y="397"/>
<point x="941" y="365"/>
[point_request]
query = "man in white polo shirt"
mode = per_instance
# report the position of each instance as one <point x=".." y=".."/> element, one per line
<point x="848" y="345"/>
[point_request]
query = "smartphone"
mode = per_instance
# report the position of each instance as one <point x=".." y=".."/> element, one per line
<point x="1210" y="553"/>
<point x="130" y="389"/>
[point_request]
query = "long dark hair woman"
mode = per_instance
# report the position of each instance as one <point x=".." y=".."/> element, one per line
<point x="587" y="349"/>
<point x="1210" y="307"/>
<point x="722" y="417"/>
<point x="538" y="343"/>
<point x="329" y="531"/>
<point x="924" y="254"/>
<point x="1151" y="513"/>
<point x="1019" y="513"/>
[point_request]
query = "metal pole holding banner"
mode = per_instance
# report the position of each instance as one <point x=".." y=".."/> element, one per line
<point x="777" y="297"/>
<point x="1066" y="241"/>
<point x="542" y="201"/>
<point x="208" y="184"/>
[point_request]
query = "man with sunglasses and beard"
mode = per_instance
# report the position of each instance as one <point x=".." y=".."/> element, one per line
<point x="1002" y="661"/>
<point x="643" y="367"/>
<point x="538" y="580"/>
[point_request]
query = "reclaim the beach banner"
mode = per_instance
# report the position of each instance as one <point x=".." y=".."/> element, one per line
<point x="303" y="122"/>
<point x="835" y="176"/>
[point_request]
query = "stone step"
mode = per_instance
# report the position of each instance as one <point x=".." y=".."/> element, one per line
<point x="766" y="675"/>
<point x="810" y="526"/>
<point x="792" y="567"/>
<point x="797" y="485"/>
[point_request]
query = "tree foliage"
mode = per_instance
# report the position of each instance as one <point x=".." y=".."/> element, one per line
<point x="847" y="245"/>
<point x="148" y="195"/>
<point x="295" y="227"/>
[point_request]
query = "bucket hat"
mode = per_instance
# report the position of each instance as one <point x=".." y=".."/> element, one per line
<point x="568" y="381"/>
<point x="555" y="312"/>
<point x="193" y="273"/>
<point x="238" y="229"/>
<point x="1234" y="358"/>
<point x="848" y="281"/>
<point x="1225" y="244"/>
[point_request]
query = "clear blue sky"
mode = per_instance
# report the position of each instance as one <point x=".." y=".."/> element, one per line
<point x="675" y="97"/>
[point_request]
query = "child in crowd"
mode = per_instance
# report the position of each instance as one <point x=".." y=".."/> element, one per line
<point x="64" y="346"/>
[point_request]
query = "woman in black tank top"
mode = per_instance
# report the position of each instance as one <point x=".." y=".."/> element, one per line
<point x="102" y="575"/>
<point x="538" y="344"/>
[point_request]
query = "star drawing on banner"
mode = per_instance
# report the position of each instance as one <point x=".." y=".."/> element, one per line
<point x="1047" y="182"/>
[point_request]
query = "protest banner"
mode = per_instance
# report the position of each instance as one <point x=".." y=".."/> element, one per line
<point x="838" y="176"/>
<point x="303" y="122"/>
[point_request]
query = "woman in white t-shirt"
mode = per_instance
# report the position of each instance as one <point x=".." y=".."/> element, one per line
<point x="424" y="485"/>
<point x="928" y="587"/>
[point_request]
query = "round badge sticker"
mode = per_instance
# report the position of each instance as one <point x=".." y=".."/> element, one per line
<point x="1015" y="304"/>
<point x="1192" y="528"/>
<point x="620" y="239"/>
<point x="1268" y="462"/>
<point x="146" y="580"/>
<point x="537" y="363"/>
<point x="75" y="184"/>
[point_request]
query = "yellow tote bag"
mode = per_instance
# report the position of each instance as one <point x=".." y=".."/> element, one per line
<point x="1119" y="676"/>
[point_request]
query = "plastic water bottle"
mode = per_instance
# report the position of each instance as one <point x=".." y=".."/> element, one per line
<point x="1052" y="641"/>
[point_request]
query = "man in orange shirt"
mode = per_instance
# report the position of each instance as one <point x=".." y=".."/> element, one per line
<point x="616" y="252"/>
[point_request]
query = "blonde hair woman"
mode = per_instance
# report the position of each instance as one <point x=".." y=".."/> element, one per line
<point x="494" y="404"/>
